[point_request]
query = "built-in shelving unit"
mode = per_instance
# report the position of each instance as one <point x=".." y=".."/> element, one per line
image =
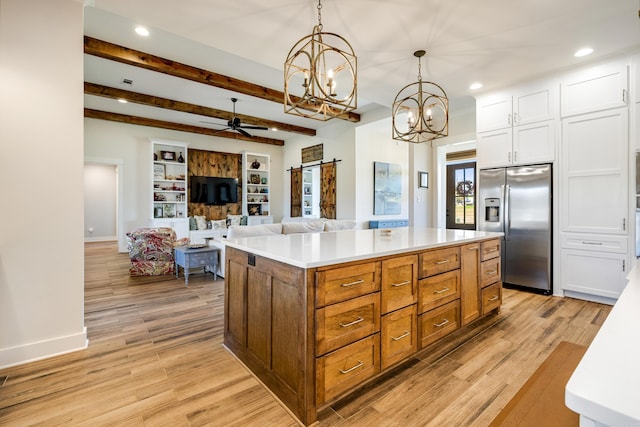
<point x="311" y="192"/>
<point x="256" y="182"/>
<point x="169" y="177"/>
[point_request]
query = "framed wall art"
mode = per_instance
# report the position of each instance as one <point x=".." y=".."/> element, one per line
<point x="387" y="188"/>
<point x="423" y="179"/>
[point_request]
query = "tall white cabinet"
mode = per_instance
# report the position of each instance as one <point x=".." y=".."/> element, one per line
<point x="256" y="188"/>
<point x="169" y="178"/>
<point x="594" y="190"/>
<point x="311" y="192"/>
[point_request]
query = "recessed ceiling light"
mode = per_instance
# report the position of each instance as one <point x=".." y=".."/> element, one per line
<point x="583" y="52"/>
<point x="274" y="129"/>
<point x="122" y="100"/>
<point x="142" y="31"/>
<point x="476" y="85"/>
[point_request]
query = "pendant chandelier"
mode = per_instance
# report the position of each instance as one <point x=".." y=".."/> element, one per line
<point x="420" y="112"/>
<point x="320" y="75"/>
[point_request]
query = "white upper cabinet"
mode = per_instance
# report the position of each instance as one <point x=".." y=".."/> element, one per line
<point x="594" y="89"/>
<point x="517" y="127"/>
<point x="521" y="106"/>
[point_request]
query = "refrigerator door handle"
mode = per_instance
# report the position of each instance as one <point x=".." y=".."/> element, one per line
<point x="507" y="210"/>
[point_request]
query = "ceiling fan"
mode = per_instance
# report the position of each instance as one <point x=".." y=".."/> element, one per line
<point x="235" y="124"/>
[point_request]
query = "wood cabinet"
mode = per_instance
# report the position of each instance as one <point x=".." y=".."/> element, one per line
<point x="313" y="335"/>
<point x="517" y="127"/>
<point x="469" y="292"/>
<point x="399" y="335"/>
<point x="491" y="297"/>
<point x="399" y="282"/>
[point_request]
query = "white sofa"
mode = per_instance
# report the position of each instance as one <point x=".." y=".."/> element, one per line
<point x="287" y="226"/>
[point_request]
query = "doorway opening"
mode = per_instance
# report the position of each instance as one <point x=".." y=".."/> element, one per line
<point x="461" y="195"/>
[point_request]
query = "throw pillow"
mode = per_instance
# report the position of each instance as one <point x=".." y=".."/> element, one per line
<point x="219" y="225"/>
<point x="233" y="220"/>
<point x="192" y="223"/>
<point x="201" y="221"/>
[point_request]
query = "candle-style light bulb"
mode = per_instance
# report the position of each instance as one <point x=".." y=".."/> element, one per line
<point x="331" y="84"/>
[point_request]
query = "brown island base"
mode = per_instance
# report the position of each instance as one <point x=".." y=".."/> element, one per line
<point x="314" y="332"/>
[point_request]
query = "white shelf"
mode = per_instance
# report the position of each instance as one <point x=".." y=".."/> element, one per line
<point x="254" y="202"/>
<point x="169" y="213"/>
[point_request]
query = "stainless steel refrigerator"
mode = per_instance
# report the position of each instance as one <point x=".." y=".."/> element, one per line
<point x="518" y="202"/>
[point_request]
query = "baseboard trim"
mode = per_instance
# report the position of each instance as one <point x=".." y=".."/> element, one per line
<point x="43" y="349"/>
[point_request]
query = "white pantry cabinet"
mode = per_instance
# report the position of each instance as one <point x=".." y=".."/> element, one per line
<point x="594" y="191"/>
<point x="517" y="127"/>
<point x="595" y="273"/>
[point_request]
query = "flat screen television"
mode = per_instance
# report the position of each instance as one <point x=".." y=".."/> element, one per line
<point x="213" y="190"/>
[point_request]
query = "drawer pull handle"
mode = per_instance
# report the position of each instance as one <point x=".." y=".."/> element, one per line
<point x="493" y="249"/>
<point x="592" y="243"/>
<point x="441" y="291"/>
<point x="346" y="325"/>
<point x="406" y="334"/>
<point x="442" y="261"/>
<point x="406" y="282"/>
<point x="441" y="324"/>
<point x="472" y="248"/>
<point x="357" y="282"/>
<point x="493" y="298"/>
<point x="346" y="371"/>
<point x="492" y="272"/>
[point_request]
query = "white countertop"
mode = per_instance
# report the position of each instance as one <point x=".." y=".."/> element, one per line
<point x="604" y="386"/>
<point x="308" y="250"/>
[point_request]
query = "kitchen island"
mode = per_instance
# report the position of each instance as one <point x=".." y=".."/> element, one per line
<point x="315" y="316"/>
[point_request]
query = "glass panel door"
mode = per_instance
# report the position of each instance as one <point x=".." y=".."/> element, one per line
<point x="461" y="196"/>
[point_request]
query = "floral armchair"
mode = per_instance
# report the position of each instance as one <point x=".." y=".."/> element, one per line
<point x="151" y="251"/>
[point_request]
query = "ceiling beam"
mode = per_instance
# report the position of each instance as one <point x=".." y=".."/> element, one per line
<point x="143" y="121"/>
<point x="151" y="62"/>
<point x="169" y="104"/>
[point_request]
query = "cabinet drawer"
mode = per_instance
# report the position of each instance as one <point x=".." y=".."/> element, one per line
<point x="340" y="284"/>
<point x="399" y="282"/>
<point x="346" y="322"/>
<point x="491" y="297"/>
<point x="439" y="261"/>
<point x="490" y="272"/>
<point x="205" y="258"/>
<point x="398" y="335"/>
<point x="344" y="369"/>
<point x="489" y="249"/>
<point x="438" y="290"/>
<point x="438" y="322"/>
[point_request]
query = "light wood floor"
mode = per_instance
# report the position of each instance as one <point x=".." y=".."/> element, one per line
<point x="155" y="358"/>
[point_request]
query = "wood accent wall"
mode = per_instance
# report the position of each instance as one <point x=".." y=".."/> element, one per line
<point x="214" y="163"/>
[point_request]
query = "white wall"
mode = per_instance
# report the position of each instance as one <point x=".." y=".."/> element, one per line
<point x="41" y="246"/>
<point x="100" y="202"/>
<point x="130" y="144"/>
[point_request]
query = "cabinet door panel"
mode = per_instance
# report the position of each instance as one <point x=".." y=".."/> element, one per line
<point x="493" y="112"/>
<point x="399" y="338"/>
<point x="494" y="148"/>
<point x="593" y="272"/>
<point x="469" y="288"/>
<point x="594" y="180"/>
<point x="594" y="89"/>
<point x="534" y="104"/>
<point x="399" y="282"/>
<point x="534" y="143"/>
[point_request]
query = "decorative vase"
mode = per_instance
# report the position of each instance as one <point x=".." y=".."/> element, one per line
<point x="255" y="164"/>
<point x="180" y="158"/>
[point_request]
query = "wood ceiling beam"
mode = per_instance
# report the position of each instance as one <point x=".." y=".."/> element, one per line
<point x="151" y="62"/>
<point x="169" y="104"/>
<point x="142" y="121"/>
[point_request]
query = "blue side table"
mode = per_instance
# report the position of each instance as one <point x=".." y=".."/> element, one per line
<point x="188" y="258"/>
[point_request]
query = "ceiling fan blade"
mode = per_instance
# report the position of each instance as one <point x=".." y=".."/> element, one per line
<point x="221" y="130"/>
<point x="254" y="127"/>
<point x="244" y="132"/>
